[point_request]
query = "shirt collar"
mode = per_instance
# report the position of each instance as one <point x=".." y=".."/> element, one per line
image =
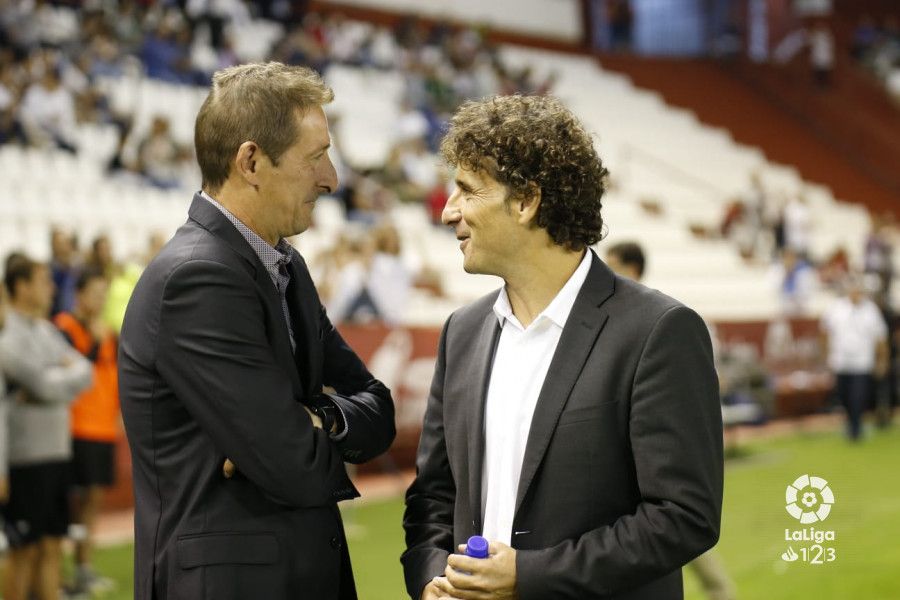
<point x="560" y="307"/>
<point x="271" y="257"/>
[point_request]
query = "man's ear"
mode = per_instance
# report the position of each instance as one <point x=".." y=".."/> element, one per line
<point x="247" y="162"/>
<point x="527" y="206"/>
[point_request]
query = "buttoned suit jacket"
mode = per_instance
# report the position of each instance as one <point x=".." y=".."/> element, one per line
<point x="621" y="482"/>
<point x="207" y="372"/>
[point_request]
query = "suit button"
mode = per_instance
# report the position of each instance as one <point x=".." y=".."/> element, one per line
<point x="336" y="543"/>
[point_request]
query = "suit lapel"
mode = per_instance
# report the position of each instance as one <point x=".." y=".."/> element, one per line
<point x="211" y="218"/>
<point x="578" y="338"/>
<point x="481" y="361"/>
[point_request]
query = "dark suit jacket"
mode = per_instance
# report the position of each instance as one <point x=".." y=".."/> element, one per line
<point x="621" y="482"/>
<point x="207" y="372"/>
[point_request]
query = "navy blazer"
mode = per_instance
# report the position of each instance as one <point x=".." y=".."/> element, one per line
<point x="207" y="372"/>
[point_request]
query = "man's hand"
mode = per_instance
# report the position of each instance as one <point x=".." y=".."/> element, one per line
<point x="491" y="578"/>
<point x="99" y="330"/>
<point x="432" y="591"/>
<point x="228" y="469"/>
<point x="316" y="421"/>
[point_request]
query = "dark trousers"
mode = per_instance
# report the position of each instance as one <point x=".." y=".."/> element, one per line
<point x="854" y="391"/>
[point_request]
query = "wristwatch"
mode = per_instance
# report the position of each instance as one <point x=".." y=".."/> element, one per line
<point x="327" y="412"/>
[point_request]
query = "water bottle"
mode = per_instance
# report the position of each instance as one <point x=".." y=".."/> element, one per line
<point x="477" y="547"/>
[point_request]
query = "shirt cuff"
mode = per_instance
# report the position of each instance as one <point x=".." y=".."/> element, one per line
<point x="340" y="435"/>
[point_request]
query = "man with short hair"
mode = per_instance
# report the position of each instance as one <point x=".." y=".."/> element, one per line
<point x="574" y="416"/>
<point x="45" y="375"/>
<point x="94" y="418"/>
<point x="855" y="341"/>
<point x="225" y="354"/>
<point x="626" y="259"/>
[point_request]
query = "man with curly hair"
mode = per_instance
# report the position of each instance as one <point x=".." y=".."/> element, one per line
<point x="574" y="415"/>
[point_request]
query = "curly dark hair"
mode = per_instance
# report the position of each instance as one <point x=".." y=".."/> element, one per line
<point x="528" y="141"/>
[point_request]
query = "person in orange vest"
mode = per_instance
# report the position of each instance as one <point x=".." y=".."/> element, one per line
<point x="95" y="418"/>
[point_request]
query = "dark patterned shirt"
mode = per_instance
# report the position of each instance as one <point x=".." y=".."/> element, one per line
<point x="275" y="260"/>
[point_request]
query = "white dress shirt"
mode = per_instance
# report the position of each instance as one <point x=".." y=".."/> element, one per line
<point x="854" y="331"/>
<point x="520" y="367"/>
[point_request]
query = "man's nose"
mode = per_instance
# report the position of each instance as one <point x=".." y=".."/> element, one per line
<point x="451" y="213"/>
<point x="328" y="179"/>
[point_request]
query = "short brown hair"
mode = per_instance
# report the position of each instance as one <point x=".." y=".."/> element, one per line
<point x="527" y="141"/>
<point x="18" y="268"/>
<point x="253" y="102"/>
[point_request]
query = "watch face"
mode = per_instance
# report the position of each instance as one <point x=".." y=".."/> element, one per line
<point x="326" y="413"/>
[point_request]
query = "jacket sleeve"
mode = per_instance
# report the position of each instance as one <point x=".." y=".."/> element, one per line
<point x="54" y="384"/>
<point x="214" y="353"/>
<point x="365" y="402"/>
<point x="428" y="518"/>
<point x="676" y="437"/>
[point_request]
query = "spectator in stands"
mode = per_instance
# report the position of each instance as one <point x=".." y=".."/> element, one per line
<point x="621" y="19"/>
<point x="878" y="258"/>
<point x="855" y="340"/>
<point x="741" y="225"/>
<point x="390" y="279"/>
<point x="345" y="278"/>
<point x="160" y="157"/>
<point x="887" y="50"/>
<point x="821" y="54"/>
<point x="835" y="269"/>
<point x="627" y="259"/>
<point x="95" y="418"/>
<point x="106" y="52"/>
<point x="10" y="101"/>
<point x="795" y="281"/>
<point x="365" y="199"/>
<point x="48" y="113"/>
<point x="46" y="374"/>
<point x="797" y="225"/>
<point x="437" y="197"/>
<point x="865" y="36"/>
<point x="166" y="53"/>
<point x="411" y="170"/>
<point x="63" y="268"/>
<point x="100" y="256"/>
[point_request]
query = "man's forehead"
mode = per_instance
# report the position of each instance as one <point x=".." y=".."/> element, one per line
<point x="314" y="128"/>
<point x="473" y="177"/>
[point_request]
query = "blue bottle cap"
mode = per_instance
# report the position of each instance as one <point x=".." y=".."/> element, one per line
<point x="477" y="547"/>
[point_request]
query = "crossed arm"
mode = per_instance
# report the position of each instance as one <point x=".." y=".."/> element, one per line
<point x="215" y="355"/>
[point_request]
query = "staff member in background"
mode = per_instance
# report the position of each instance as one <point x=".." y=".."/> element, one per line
<point x="46" y="375"/>
<point x="238" y="454"/>
<point x="574" y="416"/>
<point x="627" y="259"/>
<point x="855" y="341"/>
<point x="95" y="418"/>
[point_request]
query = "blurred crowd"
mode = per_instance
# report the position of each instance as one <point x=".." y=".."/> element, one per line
<point x="59" y="414"/>
<point x="771" y="227"/>
<point x="56" y="56"/>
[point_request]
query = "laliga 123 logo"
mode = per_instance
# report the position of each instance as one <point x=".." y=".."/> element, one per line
<point x="809" y="499"/>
